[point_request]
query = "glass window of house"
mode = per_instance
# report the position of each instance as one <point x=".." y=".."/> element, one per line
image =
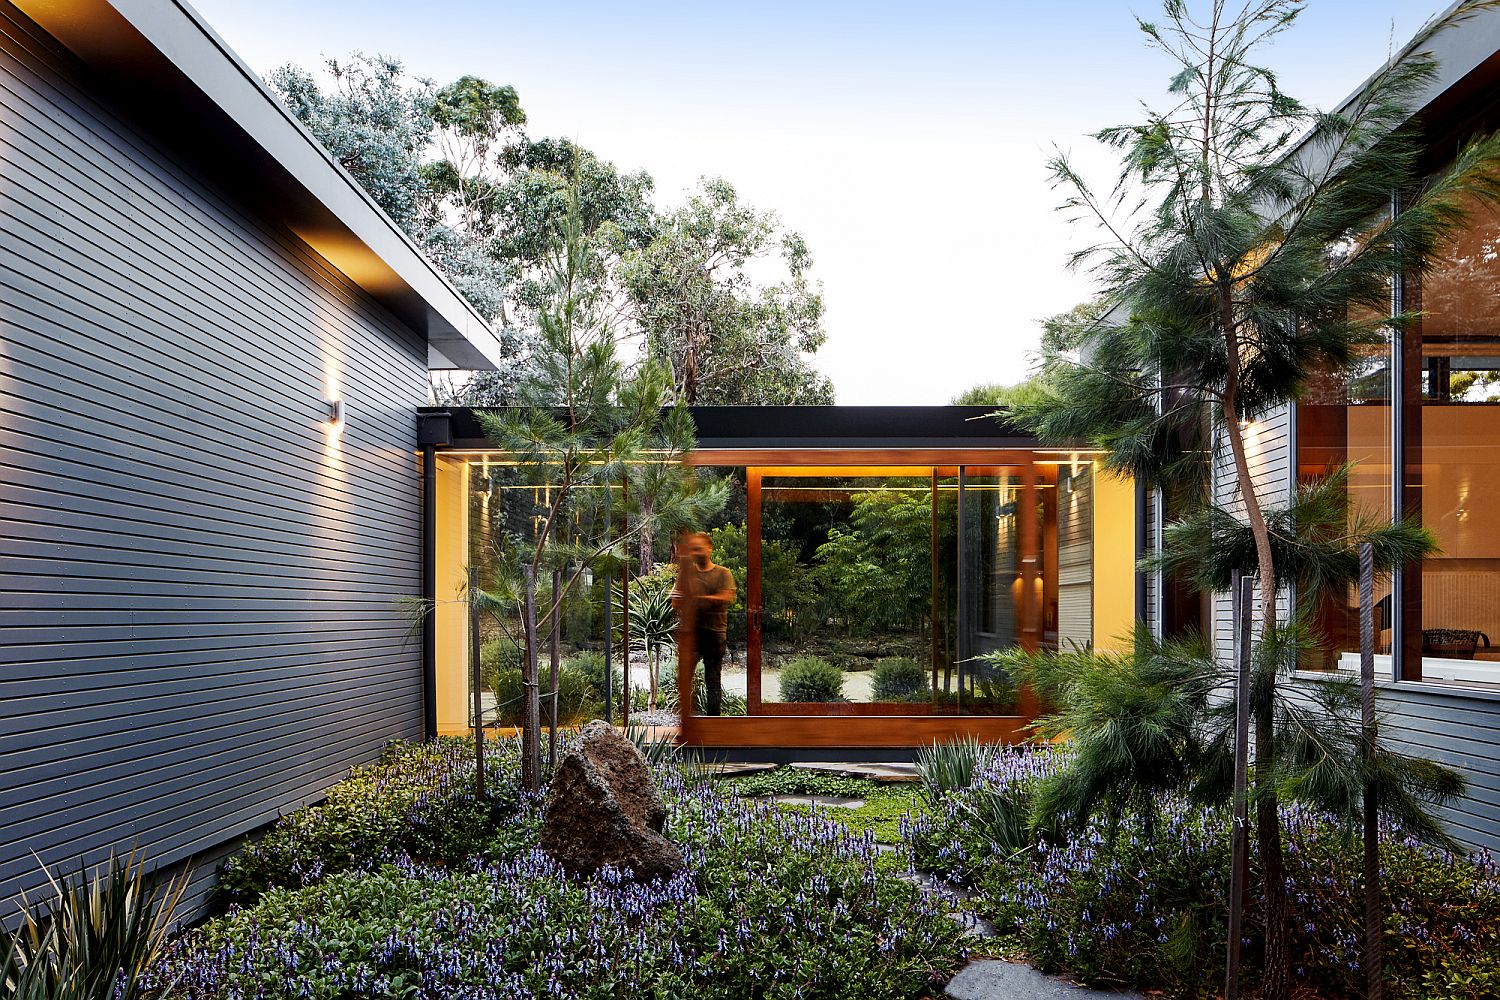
<point x="1346" y="420"/>
<point x="1452" y="458"/>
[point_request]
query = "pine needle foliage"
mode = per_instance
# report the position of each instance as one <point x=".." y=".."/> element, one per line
<point x="1247" y="245"/>
<point x="1156" y="720"/>
<point x="1315" y="539"/>
<point x="589" y="432"/>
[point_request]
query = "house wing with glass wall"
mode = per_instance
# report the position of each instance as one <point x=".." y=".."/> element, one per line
<point x="1418" y="421"/>
<point x="876" y="555"/>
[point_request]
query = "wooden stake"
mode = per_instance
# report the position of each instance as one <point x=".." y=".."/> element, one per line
<point x="1374" y="909"/>
<point x="1242" y="591"/>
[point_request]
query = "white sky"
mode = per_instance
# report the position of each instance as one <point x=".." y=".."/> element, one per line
<point x="906" y="142"/>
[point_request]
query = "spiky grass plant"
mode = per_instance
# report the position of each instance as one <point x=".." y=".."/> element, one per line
<point x="949" y="767"/>
<point x="656" y="751"/>
<point x="94" y="937"/>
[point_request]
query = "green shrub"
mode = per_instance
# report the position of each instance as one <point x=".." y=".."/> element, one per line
<point x="811" y="678"/>
<point x="509" y="708"/>
<point x="575" y="696"/>
<point x="417" y="800"/>
<point x="591" y="666"/>
<point x="497" y="656"/>
<point x="899" y="678"/>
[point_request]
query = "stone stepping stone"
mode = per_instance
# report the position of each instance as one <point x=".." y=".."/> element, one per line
<point x="820" y="801"/>
<point x="888" y="773"/>
<point x="993" y="979"/>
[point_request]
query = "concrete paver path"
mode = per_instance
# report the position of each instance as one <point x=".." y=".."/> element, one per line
<point x="993" y="979"/>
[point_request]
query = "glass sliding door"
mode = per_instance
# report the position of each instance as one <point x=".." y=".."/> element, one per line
<point x="991" y="585"/>
<point x="846" y="590"/>
<point x="882" y="590"/>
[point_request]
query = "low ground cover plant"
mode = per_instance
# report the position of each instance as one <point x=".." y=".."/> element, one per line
<point x="1139" y="900"/>
<point x="886" y="811"/>
<point x="416" y="801"/>
<point x="772" y="905"/>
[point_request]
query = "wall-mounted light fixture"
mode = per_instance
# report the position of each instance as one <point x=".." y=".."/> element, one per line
<point x="335" y="412"/>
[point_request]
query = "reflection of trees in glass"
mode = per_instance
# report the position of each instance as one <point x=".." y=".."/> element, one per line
<point x="1473" y="386"/>
<point x="875" y="571"/>
<point x="789" y="604"/>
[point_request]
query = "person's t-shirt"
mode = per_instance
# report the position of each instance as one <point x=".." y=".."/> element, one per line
<point x="716" y="579"/>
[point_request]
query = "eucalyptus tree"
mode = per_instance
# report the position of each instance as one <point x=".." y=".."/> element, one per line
<point x="1248" y="243"/>
<point x="725" y="336"/>
<point x="586" y="427"/>
<point x="454" y="168"/>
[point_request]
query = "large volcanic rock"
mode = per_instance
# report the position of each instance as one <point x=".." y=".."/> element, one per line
<point x="603" y="808"/>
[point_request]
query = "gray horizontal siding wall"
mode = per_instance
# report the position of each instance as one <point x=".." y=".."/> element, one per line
<point x="1269" y="450"/>
<point x="1461" y="729"/>
<point x="200" y="624"/>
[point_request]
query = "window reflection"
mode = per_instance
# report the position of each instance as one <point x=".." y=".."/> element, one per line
<point x="1453" y="456"/>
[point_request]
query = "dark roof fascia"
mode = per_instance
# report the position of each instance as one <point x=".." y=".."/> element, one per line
<point x="1468" y="57"/>
<point x="815" y="428"/>
<point x="160" y="64"/>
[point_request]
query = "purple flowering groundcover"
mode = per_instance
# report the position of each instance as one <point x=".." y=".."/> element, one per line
<point x="371" y="896"/>
<point x="1143" y="905"/>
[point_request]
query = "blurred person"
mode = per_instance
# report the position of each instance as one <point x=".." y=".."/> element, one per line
<point x="702" y="597"/>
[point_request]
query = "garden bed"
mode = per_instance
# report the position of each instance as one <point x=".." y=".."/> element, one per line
<point x="1141" y="904"/>
<point x="403" y="885"/>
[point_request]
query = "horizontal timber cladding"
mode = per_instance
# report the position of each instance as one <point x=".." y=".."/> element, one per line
<point x="1268" y="449"/>
<point x="196" y="634"/>
<point x="1456" y="726"/>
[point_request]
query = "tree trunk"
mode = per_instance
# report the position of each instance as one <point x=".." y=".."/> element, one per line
<point x="653" y="662"/>
<point x="1277" y="972"/>
<point x="556" y="644"/>
<point x="531" y="720"/>
<point x="647" y="535"/>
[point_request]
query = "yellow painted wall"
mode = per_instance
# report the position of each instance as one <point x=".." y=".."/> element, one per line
<point x="451" y="616"/>
<point x="1114" y="561"/>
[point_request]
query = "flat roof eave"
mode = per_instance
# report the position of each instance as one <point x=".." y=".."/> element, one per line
<point x="837" y="430"/>
<point x="168" y="69"/>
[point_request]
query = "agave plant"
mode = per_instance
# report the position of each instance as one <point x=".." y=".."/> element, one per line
<point x="653" y="626"/>
<point x="656" y="751"/>
<point x="94" y="938"/>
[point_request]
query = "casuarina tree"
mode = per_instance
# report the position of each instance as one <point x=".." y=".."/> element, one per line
<point x="1247" y="245"/>
<point x="585" y="428"/>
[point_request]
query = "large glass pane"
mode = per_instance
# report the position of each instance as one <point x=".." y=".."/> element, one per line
<point x="1072" y="607"/>
<point x="718" y="645"/>
<point x="507" y="507"/>
<point x="490" y="512"/>
<point x="1455" y="441"/>
<point x="848" y="590"/>
<point x="1345" y="420"/>
<point x="993" y="577"/>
